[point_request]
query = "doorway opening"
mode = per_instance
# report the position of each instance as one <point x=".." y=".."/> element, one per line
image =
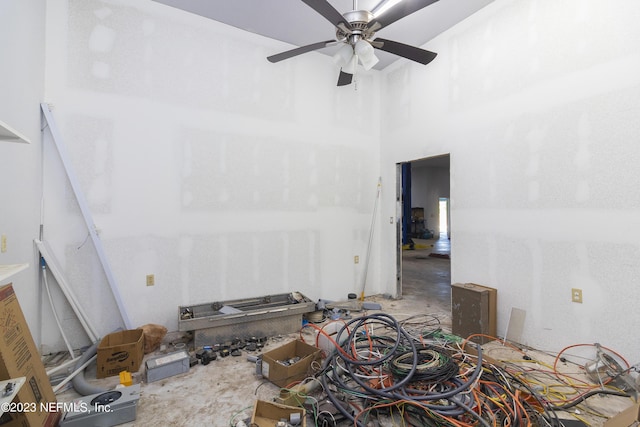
<point x="423" y="197"/>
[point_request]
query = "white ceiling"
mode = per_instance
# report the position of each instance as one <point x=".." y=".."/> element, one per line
<point x="293" y="22"/>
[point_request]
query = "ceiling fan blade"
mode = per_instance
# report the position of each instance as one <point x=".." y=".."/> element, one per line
<point x="344" y="79"/>
<point x="396" y="12"/>
<point x="324" y="8"/>
<point x="410" y="52"/>
<point x="299" y="50"/>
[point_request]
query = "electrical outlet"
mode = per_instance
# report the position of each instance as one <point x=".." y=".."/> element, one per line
<point x="356" y="259"/>
<point x="576" y="295"/>
<point x="151" y="280"/>
<point x="3" y="244"/>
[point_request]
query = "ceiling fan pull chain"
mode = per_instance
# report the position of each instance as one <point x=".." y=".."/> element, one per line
<point x="355" y="71"/>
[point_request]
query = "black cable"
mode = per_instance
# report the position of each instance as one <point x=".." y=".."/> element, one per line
<point x="350" y="362"/>
<point x="334" y="400"/>
<point x="583" y="397"/>
<point x="463" y="386"/>
<point x="471" y="412"/>
<point x="408" y="363"/>
<point x="377" y="362"/>
<point x="382" y="318"/>
<point x="549" y="413"/>
<point x="433" y="365"/>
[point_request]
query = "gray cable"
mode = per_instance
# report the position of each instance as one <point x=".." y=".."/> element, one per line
<point x="80" y="383"/>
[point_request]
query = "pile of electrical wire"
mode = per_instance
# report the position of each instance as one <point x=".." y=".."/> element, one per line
<point x="433" y="365"/>
<point x="378" y="369"/>
<point x="385" y="372"/>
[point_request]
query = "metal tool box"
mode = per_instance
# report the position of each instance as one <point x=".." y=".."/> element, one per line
<point x="265" y="316"/>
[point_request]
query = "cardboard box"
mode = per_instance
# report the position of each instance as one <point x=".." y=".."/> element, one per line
<point x="267" y="414"/>
<point x="120" y="351"/>
<point x="624" y="418"/>
<point x="285" y="374"/>
<point x="473" y="311"/>
<point x="19" y="358"/>
<point x="417" y="213"/>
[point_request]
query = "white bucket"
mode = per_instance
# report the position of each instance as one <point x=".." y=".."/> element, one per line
<point x="326" y="336"/>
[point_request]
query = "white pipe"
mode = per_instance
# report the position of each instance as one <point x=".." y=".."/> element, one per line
<point x="53" y="307"/>
<point x="373" y="221"/>
<point x="62" y="366"/>
<point x="82" y="317"/>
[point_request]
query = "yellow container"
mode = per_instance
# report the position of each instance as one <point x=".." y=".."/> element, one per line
<point x="125" y="378"/>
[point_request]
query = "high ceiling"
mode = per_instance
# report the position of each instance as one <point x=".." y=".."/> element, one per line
<point x="294" y="22"/>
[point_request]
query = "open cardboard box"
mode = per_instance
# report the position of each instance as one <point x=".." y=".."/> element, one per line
<point x="282" y="375"/>
<point x="268" y="414"/>
<point x="120" y="351"/>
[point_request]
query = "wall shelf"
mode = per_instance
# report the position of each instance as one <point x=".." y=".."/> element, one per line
<point x="11" y="135"/>
<point x="8" y="270"/>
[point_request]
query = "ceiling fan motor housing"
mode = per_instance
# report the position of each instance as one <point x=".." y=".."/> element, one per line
<point x="359" y="19"/>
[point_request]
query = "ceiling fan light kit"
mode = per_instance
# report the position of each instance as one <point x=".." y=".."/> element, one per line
<point x="365" y="52"/>
<point x="356" y="30"/>
<point x="350" y="68"/>
<point x="343" y="55"/>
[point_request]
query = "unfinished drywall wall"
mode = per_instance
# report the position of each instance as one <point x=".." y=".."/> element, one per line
<point x="21" y="90"/>
<point x="223" y="175"/>
<point x="537" y="102"/>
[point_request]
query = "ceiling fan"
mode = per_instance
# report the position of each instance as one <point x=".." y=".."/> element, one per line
<point x="356" y="29"/>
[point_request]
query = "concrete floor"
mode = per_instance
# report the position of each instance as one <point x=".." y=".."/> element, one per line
<point x="426" y="279"/>
<point x="228" y="388"/>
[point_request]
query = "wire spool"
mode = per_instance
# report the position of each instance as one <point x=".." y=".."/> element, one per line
<point x="603" y="369"/>
<point x="432" y="365"/>
<point x="315" y="316"/>
<point x="294" y="418"/>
